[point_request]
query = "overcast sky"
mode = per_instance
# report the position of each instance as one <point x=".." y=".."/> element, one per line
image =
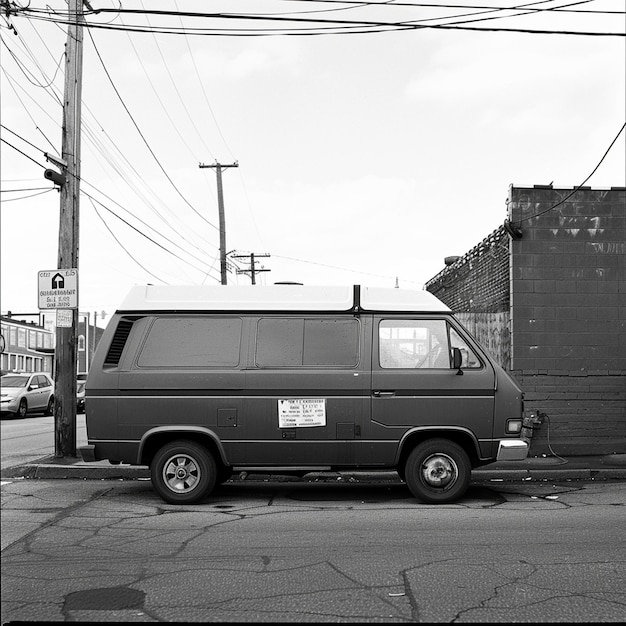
<point x="363" y="157"/>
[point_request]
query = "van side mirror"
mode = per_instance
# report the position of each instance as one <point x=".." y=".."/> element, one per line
<point x="457" y="361"/>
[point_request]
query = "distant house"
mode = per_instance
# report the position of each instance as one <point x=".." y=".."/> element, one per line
<point x="27" y="346"/>
<point x="546" y="294"/>
<point x="89" y="335"/>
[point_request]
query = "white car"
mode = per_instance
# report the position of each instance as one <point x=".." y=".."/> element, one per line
<point x="27" y="393"/>
<point x="80" y="396"/>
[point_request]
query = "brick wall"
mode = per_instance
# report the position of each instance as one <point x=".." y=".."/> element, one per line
<point x="568" y="314"/>
<point x="476" y="288"/>
<point x="560" y="292"/>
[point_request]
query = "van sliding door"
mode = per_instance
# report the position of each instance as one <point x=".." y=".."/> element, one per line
<point x="307" y="394"/>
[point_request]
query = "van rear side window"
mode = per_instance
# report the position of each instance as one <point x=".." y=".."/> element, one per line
<point x="289" y="342"/>
<point x="192" y="342"/>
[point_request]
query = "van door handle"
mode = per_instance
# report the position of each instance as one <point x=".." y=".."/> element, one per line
<point x="383" y="394"/>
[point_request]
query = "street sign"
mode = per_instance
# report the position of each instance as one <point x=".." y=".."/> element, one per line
<point x="64" y="318"/>
<point x="58" y="289"/>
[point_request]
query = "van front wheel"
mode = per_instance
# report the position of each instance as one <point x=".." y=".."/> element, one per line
<point x="438" y="471"/>
<point x="183" y="472"/>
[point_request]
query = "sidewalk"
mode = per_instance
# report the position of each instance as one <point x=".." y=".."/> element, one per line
<point x="606" y="467"/>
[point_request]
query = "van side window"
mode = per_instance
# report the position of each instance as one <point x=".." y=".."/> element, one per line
<point x="304" y="342"/>
<point x="413" y="343"/>
<point x="470" y="360"/>
<point x="192" y="342"/>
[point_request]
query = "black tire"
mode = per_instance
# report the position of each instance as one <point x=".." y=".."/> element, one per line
<point x="50" y="408"/>
<point x="22" y="409"/>
<point x="183" y="472"/>
<point x="224" y="473"/>
<point x="438" y="471"/>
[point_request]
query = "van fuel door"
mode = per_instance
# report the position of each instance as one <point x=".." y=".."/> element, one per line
<point x="227" y="418"/>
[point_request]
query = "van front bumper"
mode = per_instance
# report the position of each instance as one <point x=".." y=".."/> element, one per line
<point x="512" y="450"/>
<point x="87" y="453"/>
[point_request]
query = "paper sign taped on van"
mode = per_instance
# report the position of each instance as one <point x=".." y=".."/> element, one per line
<point x="301" y="412"/>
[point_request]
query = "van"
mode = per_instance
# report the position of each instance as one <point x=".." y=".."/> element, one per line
<point x="201" y="382"/>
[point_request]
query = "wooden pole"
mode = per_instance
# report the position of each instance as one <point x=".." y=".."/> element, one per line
<point x="66" y="337"/>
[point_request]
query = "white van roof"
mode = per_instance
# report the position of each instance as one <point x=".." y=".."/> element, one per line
<point x="278" y="298"/>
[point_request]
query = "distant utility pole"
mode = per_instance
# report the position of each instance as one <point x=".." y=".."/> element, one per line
<point x="66" y="336"/>
<point x="252" y="271"/>
<point x="220" y="201"/>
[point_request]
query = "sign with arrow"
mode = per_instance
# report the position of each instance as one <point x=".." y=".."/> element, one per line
<point x="58" y="289"/>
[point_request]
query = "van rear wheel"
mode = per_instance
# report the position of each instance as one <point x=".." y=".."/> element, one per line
<point x="183" y="472"/>
<point x="438" y="471"/>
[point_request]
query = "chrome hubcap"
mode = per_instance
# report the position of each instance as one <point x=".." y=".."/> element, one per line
<point x="181" y="473"/>
<point x="440" y="471"/>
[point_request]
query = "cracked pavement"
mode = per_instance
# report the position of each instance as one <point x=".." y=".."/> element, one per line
<point x="305" y="552"/>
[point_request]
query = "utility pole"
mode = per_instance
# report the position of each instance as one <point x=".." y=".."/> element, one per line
<point x="252" y="271"/>
<point x="220" y="201"/>
<point x="66" y="336"/>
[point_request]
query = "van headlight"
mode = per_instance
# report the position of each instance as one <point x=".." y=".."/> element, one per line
<point x="513" y="426"/>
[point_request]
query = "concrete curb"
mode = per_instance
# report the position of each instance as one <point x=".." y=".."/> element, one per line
<point x="608" y="467"/>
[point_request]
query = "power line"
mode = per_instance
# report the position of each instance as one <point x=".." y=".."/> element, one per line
<point x="569" y="195"/>
<point x="23" y="153"/>
<point x="253" y="271"/>
<point x="112" y="212"/>
<point x="311" y="26"/>
<point x="335" y="267"/>
<point x="156" y="243"/>
<point x="117" y="93"/>
<point x="145" y="269"/>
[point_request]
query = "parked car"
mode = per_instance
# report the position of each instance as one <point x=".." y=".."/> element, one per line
<point x="80" y="396"/>
<point x="27" y="393"/>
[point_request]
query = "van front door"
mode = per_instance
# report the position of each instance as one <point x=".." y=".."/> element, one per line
<point x="414" y="385"/>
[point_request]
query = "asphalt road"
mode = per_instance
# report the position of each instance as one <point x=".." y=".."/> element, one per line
<point x="27" y="440"/>
<point x="304" y="552"/>
<point x="328" y="550"/>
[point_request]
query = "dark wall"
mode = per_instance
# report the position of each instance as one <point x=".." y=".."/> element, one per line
<point x="568" y="313"/>
<point x="551" y="307"/>
<point x="476" y="288"/>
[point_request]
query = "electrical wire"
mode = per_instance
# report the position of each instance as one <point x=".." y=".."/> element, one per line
<point x="203" y="271"/>
<point x="87" y="132"/>
<point x="117" y="93"/>
<point x="343" y="269"/>
<point x="32" y="195"/>
<point x="21" y="152"/>
<point x="27" y="189"/>
<point x="206" y="98"/>
<point x="156" y="243"/>
<point x="577" y="188"/>
<point x="319" y="27"/>
<point x="184" y="31"/>
<point x="123" y="248"/>
<point x="149" y="238"/>
<point x="563" y="461"/>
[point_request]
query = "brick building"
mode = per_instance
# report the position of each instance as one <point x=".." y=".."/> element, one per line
<point x="546" y="294"/>
<point x="29" y="346"/>
<point x="26" y="346"/>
